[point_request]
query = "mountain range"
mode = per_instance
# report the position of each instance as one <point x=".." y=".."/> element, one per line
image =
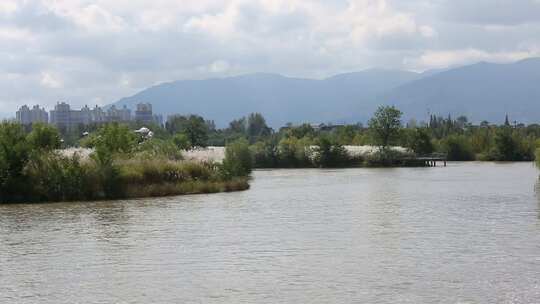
<point x="482" y="91"/>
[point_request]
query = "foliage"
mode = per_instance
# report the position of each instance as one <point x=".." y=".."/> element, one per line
<point x="419" y="141"/>
<point x="158" y="148"/>
<point x="181" y="141"/>
<point x="14" y="155"/>
<point x="238" y="160"/>
<point x="329" y="153"/>
<point x="385" y="126"/>
<point x="265" y="153"/>
<point x="194" y="127"/>
<point x="457" y="148"/>
<point x="508" y="147"/>
<point x="44" y="137"/>
<point x="112" y="138"/>
<point x="58" y="178"/>
<point x="257" y="127"/>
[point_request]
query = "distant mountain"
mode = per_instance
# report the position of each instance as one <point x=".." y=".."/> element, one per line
<point x="342" y="98"/>
<point x="483" y="91"/>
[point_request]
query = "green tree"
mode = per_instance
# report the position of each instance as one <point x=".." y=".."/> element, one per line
<point x="457" y="148"/>
<point x="14" y="155"/>
<point x="238" y="160"/>
<point x="304" y="130"/>
<point x="265" y="153"/>
<point x="44" y="137"/>
<point x="181" y="141"/>
<point x="419" y="141"/>
<point x="257" y="127"/>
<point x="193" y="126"/>
<point x="329" y="153"/>
<point x="385" y="126"/>
<point x="113" y="138"/>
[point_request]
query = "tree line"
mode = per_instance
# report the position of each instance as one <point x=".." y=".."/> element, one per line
<point x="289" y="146"/>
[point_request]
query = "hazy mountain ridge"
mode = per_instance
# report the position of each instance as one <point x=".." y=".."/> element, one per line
<point x="482" y="91"/>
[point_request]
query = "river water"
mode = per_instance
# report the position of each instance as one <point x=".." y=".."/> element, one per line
<point x="467" y="233"/>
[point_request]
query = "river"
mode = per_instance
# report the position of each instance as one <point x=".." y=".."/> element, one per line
<point x="467" y="233"/>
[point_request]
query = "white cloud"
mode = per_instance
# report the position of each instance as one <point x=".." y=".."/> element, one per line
<point x="442" y="59"/>
<point x="102" y="50"/>
<point x="48" y="80"/>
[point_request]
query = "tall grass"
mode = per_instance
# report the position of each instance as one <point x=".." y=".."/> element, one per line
<point x="59" y="178"/>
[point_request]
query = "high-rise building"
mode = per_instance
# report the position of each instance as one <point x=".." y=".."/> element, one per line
<point x="61" y="115"/>
<point x="118" y="115"/>
<point x="27" y="116"/>
<point x="144" y="113"/>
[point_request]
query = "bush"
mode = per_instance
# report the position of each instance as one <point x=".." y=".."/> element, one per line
<point x="112" y="139"/>
<point x="419" y="141"/>
<point x="329" y="153"/>
<point x="238" y="160"/>
<point x="158" y="148"/>
<point x="265" y="154"/>
<point x="457" y="148"/>
<point x="14" y="155"/>
<point x="391" y="158"/>
<point x="57" y="178"/>
<point x="181" y="141"/>
<point x="44" y="137"/>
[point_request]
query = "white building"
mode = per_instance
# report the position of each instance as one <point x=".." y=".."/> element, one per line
<point x="27" y="116"/>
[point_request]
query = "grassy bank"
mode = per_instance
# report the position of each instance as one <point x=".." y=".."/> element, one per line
<point x="122" y="165"/>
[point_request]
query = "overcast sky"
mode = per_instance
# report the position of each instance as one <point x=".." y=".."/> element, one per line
<point x="95" y="52"/>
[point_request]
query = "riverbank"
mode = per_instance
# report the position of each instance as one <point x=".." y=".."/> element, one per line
<point x="117" y="164"/>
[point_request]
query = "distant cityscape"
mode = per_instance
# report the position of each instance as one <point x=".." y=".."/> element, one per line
<point x="63" y="116"/>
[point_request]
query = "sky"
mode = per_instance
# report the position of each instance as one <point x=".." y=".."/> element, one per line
<point x="95" y="52"/>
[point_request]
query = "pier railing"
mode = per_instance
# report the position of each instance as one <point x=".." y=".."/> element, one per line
<point x="431" y="159"/>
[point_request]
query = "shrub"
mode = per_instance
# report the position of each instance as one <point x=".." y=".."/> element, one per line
<point x="329" y="153"/>
<point x="265" y="154"/>
<point x="419" y="141"/>
<point x="390" y="158"/>
<point x="57" y="178"/>
<point x="44" y="137"/>
<point x="181" y="141"/>
<point x="14" y="155"/>
<point x="158" y="148"/>
<point x="238" y="160"/>
<point x="457" y="148"/>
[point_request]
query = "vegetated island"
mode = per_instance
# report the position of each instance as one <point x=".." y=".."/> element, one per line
<point x="118" y="162"/>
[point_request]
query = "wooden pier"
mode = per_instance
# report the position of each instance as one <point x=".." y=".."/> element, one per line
<point x="432" y="159"/>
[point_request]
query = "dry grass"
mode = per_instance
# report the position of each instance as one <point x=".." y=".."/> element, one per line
<point x="184" y="188"/>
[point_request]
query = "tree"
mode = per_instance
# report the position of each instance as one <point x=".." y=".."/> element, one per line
<point x="420" y="142"/>
<point x="304" y="130"/>
<point x="193" y="126"/>
<point x="256" y="127"/>
<point x="458" y="148"/>
<point x="238" y="160"/>
<point x="385" y="126"/>
<point x="181" y="141"/>
<point x="14" y="155"/>
<point x="114" y="138"/>
<point x="329" y="153"/>
<point x="238" y="126"/>
<point x="44" y="137"/>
